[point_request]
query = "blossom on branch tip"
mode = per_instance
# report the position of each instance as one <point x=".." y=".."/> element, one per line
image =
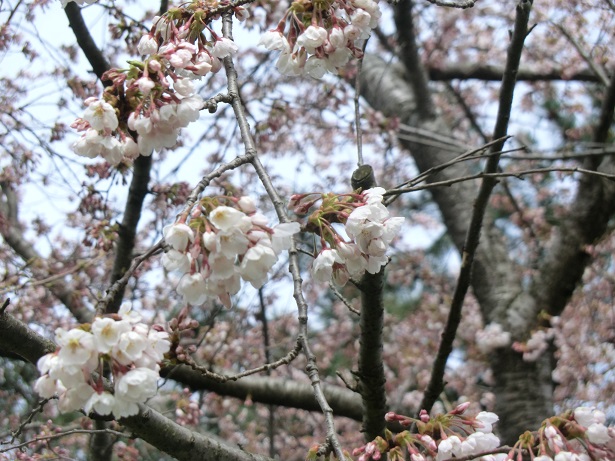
<point x="328" y="42"/>
<point x="232" y="244"/>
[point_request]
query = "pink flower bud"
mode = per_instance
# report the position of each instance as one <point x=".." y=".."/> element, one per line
<point x="460" y="408"/>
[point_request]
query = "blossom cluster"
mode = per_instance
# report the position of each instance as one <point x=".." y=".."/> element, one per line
<point x="129" y="349"/>
<point x="538" y="342"/>
<point x="221" y="245"/>
<point x="368" y="224"/>
<point x="492" y="337"/>
<point x="321" y="36"/>
<point x="579" y="435"/>
<point x="438" y="438"/>
<point x="147" y="104"/>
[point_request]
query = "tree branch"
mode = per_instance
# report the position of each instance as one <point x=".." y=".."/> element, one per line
<point x="587" y="222"/>
<point x="463" y="4"/>
<point x="436" y="382"/>
<point x="280" y="208"/>
<point x="495" y="73"/>
<point x="371" y="378"/>
<point x="85" y="41"/>
<point x="406" y="36"/>
<point x="128" y="228"/>
<point x="271" y="391"/>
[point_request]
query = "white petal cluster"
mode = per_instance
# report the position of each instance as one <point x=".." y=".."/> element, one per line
<point x="133" y="352"/>
<point x="325" y="47"/>
<point x="159" y="127"/>
<point x="372" y="230"/>
<point x="477" y="442"/>
<point x="238" y="245"/>
<point x="594" y="421"/>
<point x="100" y="137"/>
<point x="492" y="337"/>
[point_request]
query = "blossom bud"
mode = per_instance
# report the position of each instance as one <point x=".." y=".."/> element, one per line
<point x="460" y="408"/>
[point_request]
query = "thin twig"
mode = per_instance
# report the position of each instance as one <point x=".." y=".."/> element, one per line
<point x="28" y="420"/>
<point x="64" y="434"/>
<point x="357" y="109"/>
<point x="267" y="354"/>
<point x="119" y="285"/>
<point x="600" y="73"/>
<point x="343" y="300"/>
<point x="279" y="206"/>
<point x="287" y="359"/>
<point x="436" y="382"/>
<point x="517" y="174"/>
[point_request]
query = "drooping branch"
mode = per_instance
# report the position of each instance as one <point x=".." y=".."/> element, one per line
<point x="436" y="382"/>
<point x="280" y="208"/>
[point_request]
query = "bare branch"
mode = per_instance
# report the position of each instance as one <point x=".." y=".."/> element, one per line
<point x="288" y="358"/>
<point x="598" y="71"/>
<point x="93" y="54"/>
<point x="59" y="435"/>
<point x="411" y="59"/>
<point x="436" y="383"/>
<point x="494" y="73"/>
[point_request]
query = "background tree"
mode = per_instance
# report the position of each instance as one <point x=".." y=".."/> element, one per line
<point x="442" y="85"/>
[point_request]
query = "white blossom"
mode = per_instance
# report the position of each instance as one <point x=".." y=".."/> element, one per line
<point x="322" y="266"/>
<point x="147" y="45"/>
<point x="137" y="385"/>
<point x="597" y="433"/>
<point x="101" y="115"/>
<point x="178" y="235"/>
<point x="273" y="40"/>
<point x="224" y="47"/>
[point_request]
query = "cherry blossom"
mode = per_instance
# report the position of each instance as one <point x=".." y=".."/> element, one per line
<point x="235" y="242"/>
<point x="324" y="45"/>
<point x="132" y="349"/>
<point x="368" y="224"/>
